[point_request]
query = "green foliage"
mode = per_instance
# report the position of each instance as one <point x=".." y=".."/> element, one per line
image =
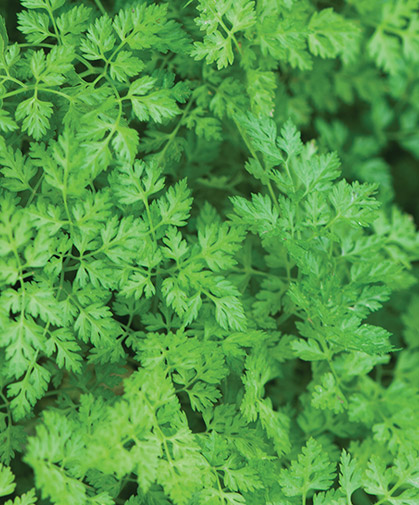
<point x="311" y="471"/>
<point x="198" y="305"/>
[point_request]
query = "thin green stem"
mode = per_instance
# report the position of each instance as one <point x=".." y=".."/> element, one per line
<point x="36" y="88"/>
<point x="150" y="221"/>
<point x="91" y="71"/>
<point x="172" y="136"/>
<point x="43" y="44"/>
<point x="255" y="156"/>
<point x="51" y="46"/>
<point x="127" y="327"/>
<point x="54" y="24"/>
<point x="35" y="189"/>
<point x="115" y="52"/>
<point x="56" y="392"/>
<point x="329" y="358"/>
<point x="16" y="92"/>
<point x="287" y="170"/>
<point x="65" y="189"/>
<point x="56" y="92"/>
<point x="5" y="400"/>
<point x="159" y="431"/>
<point x="269" y="275"/>
<point x="332" y="221"/>
<point x="102" y="9"/>
<point x="229" y="33"/>
<point x="220" y="490"/>
<point x="16" y="81"/>
<point x="9" y="417"/>
<point x="389" y="493"/>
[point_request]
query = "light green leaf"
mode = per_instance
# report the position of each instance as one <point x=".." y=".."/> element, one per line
<point x="7" y="481"/>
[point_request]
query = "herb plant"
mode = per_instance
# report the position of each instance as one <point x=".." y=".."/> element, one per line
<point x="208" y="262"/>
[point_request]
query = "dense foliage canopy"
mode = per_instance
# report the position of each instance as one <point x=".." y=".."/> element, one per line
<point x="208" y="252"/>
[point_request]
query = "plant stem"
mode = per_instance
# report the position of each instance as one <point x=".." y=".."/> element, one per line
<point x="255" y="156"/>
<point x="102" y="9"/>
<point x="174" y="132"/>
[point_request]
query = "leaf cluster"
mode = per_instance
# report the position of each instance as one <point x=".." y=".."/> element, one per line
<point x="198" y="306"/>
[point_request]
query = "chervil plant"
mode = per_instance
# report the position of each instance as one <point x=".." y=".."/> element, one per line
<point x="208" y="275"/>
